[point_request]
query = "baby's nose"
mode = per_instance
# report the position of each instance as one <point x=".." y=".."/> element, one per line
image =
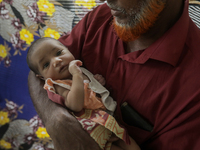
<point x="56" y="62"/>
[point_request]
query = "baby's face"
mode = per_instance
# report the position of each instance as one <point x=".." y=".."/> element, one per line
<point x="52" y="60"/>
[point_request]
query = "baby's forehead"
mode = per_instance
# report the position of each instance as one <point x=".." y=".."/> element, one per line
<point x="47" y="42"/>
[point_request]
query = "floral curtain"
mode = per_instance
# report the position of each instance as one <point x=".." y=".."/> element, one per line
<point x="22" y="22"/>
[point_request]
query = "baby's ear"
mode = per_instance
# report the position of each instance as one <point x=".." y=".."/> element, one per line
<point x="39" y="76"/>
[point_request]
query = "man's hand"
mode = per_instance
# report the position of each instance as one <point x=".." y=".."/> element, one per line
<point x="63" y="128"/>
<point x="118" y="144"/>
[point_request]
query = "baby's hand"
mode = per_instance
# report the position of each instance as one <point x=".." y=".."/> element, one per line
<point x="74" y="67"/>
<point x="100" y="79"/>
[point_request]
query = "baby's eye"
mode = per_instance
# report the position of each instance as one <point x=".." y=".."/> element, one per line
<point x="59" y="52"/>
<point x="46" y="65"/>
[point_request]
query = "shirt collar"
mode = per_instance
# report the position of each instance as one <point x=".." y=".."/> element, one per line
<point x="169" y="47"/>
<point x="172" y="43"/>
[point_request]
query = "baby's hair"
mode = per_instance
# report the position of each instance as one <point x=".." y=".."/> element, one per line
<point x="31" y="50"/>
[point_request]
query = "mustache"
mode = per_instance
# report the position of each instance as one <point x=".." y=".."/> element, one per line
<point x="132" y="11"/>
<point x="115" y="7"/>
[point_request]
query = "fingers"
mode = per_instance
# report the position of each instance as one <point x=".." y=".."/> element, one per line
<point x="113" y="138"/>
<point x="100" y="79"/>
<point x="133" y="145"/>
<point x="115" y="147"/>
<point x="76" y="62"/>
<point x="79" y="63"/>
<point x="74" y="67"/>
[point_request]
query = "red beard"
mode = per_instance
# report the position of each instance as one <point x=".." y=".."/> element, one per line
<point x="146" y="21"/>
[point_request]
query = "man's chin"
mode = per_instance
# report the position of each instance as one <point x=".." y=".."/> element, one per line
<point x="125" y="33"/>
<point x="129" y="30"/>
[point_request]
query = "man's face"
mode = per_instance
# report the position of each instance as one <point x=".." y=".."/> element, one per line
<point x="125" y="11"/>
<point x="134" y="17"/>
<point x="52" y="60"/>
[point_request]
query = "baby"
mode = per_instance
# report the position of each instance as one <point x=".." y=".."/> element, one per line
<point x="75" y="87"/>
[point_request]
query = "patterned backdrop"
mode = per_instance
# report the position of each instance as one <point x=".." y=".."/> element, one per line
<point x="22" y="22"/>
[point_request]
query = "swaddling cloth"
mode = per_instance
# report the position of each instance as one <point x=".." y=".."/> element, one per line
<point x="97" y="122"/>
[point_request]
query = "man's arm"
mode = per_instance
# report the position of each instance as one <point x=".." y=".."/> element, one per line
<point x="63" y="128"/>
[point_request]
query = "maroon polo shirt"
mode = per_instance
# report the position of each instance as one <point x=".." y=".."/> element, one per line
<point x="162" y="82"/>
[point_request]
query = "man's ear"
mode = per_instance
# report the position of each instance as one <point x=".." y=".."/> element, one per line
<point x="39" y="76"/>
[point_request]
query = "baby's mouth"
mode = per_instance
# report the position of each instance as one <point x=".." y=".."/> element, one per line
<point x="63" y="68"/>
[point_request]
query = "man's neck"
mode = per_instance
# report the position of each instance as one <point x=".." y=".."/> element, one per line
<point x="166" y="20"/>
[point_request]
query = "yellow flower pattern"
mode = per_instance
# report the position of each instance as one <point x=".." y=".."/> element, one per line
<point x="25" y="35"/>
<point x="51" y="33"/>
<point x="4" y="118"/>
<point x="5" y="145"/>
<point x="46" y="6"/>
<point x="42" y="133"/>
<point x="89" y="4"/>
<point x="1" y="1"/>
<point x="3" y="52"/>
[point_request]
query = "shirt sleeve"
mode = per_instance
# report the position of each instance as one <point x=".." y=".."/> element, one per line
<point x="56" y="98"/>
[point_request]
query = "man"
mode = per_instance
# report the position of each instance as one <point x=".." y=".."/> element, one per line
<point x="153" y="66"/>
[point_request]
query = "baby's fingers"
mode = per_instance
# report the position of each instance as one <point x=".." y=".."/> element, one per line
<point x="76" y="62"/>
<point x="74" y="67"/>
<point x="100" y="79"/>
